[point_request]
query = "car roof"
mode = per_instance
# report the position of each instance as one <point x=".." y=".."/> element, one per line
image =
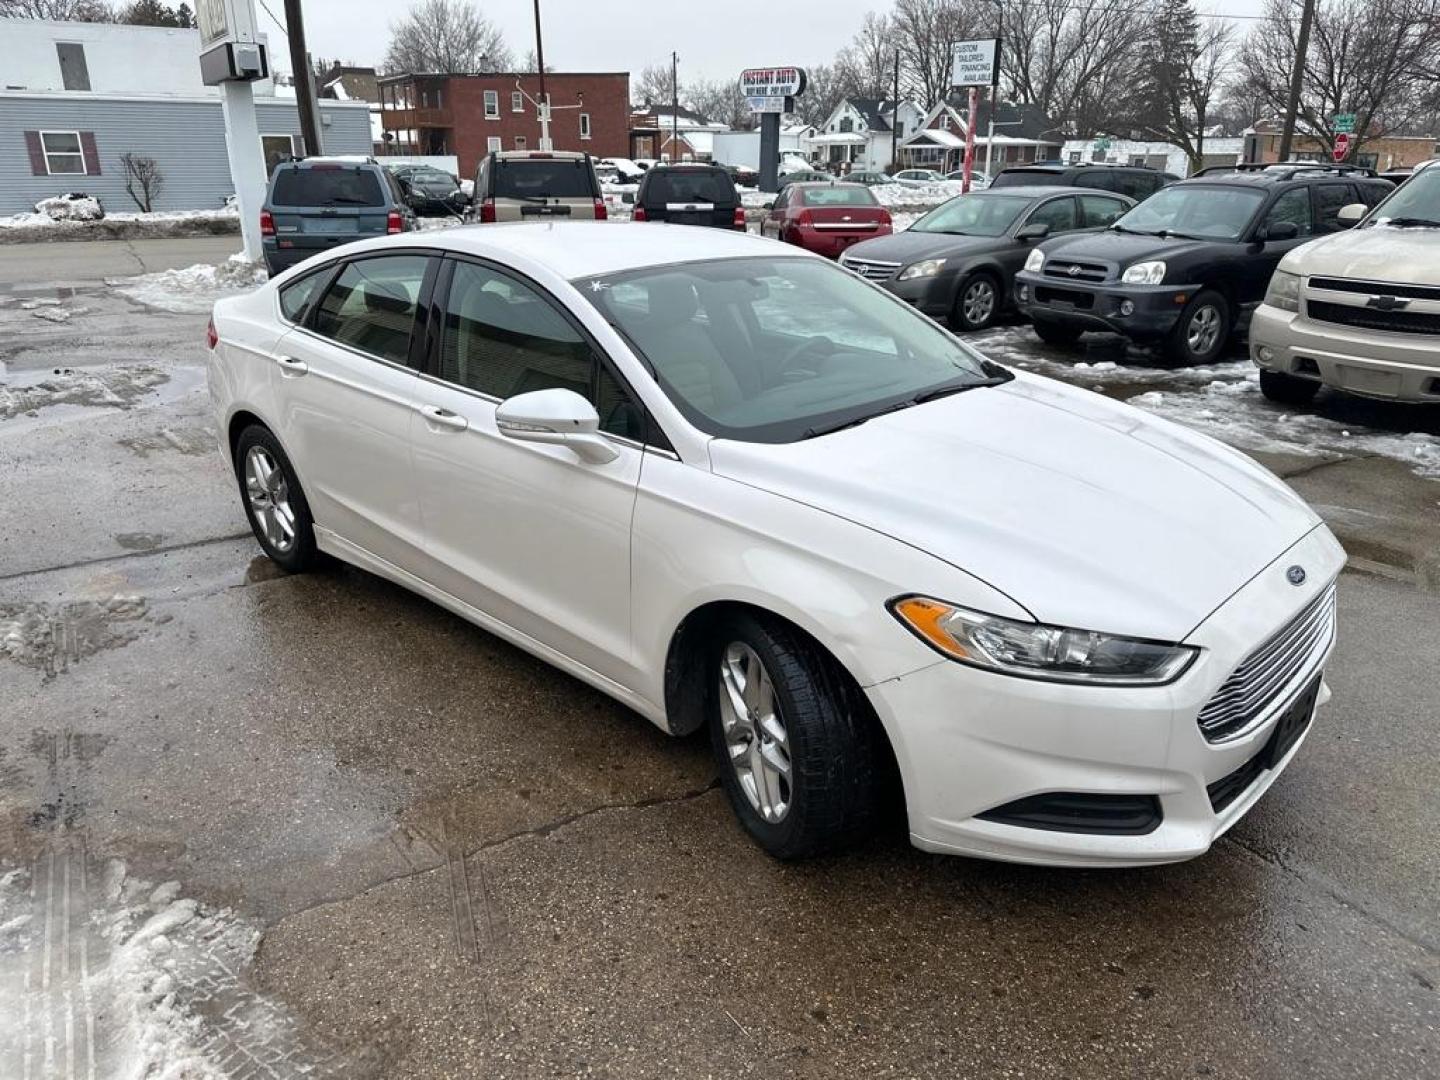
<point x="577" y="249"/>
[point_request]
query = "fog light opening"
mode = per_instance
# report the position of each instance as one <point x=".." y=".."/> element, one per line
<point x="1127" y="307"/>
<point x="1024" y="292"/>
<point x="1265" y="354"/>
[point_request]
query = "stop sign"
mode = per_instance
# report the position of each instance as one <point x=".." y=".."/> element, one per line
<point x="1342" y="146"/>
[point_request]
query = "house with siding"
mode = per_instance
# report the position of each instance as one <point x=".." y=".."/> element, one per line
<point x="76" y="97"/>
<point x="864" y="132"/>
<point x="1023" y="134"/>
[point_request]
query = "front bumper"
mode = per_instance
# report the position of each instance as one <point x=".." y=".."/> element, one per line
<point x="1373" y="363"/>
<point x="933" y="296"/>
<point x="1153" y="309"/>
<point x="969" y="741"/>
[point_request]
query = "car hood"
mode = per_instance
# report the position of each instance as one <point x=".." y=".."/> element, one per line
<point x="1087" y="512"/>
<point x="1375" y="253"/>
<point x="1121" y="248"/>
<point x="910" y="246"/>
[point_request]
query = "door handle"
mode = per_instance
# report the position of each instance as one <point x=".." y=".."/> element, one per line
<point x="433" y="414"/>
<point x="291" y="366"/>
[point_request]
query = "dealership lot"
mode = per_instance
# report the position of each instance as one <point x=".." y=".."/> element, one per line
<point x="378" y="842"/>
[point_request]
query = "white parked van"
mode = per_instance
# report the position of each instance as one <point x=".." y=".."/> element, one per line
<point x="1359" y="310"/>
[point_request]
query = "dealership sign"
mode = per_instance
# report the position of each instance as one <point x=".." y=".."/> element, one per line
<point x="975" y="63"/>
<point x="771" y="90"/>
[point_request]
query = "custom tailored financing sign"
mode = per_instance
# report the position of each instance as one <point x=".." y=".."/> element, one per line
<point x="974" y="63"/>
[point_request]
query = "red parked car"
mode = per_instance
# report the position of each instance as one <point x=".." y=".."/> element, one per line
<point x="826" y="218"/>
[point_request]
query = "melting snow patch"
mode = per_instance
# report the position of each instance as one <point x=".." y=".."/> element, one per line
<point x="194" y="289"/>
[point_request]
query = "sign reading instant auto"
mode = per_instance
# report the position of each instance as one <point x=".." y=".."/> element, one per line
<point x="974" y="63"/>
<point x="767" y="89"/>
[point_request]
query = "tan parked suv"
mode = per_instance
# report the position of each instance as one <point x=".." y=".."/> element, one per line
<point x="1359" y="310"/>
<point x="537" y="185"/>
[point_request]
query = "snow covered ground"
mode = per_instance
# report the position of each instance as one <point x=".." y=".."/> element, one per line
<point x="193" y="289"/>
<point x="25" y="228"/>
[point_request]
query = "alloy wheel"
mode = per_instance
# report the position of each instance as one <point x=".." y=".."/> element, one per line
<point x="755" y="735"/>
<point x="978" y="303"/>
<point x="269" y="496"/>
<point x="1203" y="331"/>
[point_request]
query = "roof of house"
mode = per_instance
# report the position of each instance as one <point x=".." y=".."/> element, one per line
<point x="1027" y="121"/>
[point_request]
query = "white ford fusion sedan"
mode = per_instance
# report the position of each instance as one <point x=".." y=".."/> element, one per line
<point x="736" y="487"/>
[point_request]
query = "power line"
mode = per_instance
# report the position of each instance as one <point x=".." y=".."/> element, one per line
<point x="278" y="24"/>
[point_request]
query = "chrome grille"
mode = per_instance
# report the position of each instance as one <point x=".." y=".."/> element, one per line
<point x="870" y="268"/>
<point x="1264" y="676"/>
<point x="1075" y="271"/>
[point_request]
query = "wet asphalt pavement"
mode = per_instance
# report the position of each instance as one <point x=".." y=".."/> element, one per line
<point x="399" y="847"/>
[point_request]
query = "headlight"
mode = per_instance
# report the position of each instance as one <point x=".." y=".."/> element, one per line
<point x="1284" y="291"/>
<point x="924" y="268"/>
<point x="1146" y="273"/>
<point x="1034" y="261"/>
<point x="1037" y="651"/>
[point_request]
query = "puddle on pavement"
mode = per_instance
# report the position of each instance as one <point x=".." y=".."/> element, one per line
<point x="32" y="398"/>
<point x="262" y="568"/>
<point x="139" y="541"/>
<point x="52" y="638"/>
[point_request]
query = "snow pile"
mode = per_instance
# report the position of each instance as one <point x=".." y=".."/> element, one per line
<point x="193" y="289"/>
<point x="917" y="196"/>
<point x="72" y="207"/>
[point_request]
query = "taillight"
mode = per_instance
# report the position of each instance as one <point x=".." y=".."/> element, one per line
<point x="885" y="218"/>
<point x="393" y="222"/>
<point x="805" y="220"/>
<point x="601" y="214"/>
<point x="267" y="223"/>
<point x="639" y="214"/>
<point x="211" y="337"/>
<point x="487" y="212"/>
<point x="739" y="217"/>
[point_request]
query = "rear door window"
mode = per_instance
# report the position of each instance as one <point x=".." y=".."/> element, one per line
<point x="1099" y="210"/>
<point x="321" y="185"/>
<point x="371" y="305"/>
<point x="1059" y="214"/>
<point x="548" y="178"/>
<point x="1329" y="198"/>
<point x="1293" y="205"/>
<point x="1029" y="178"/>
<point x="1137" y="185"/>
<point x="692" y="186"/>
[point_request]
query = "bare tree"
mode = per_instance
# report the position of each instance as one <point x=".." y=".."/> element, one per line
<point x="718" y="100"/>
<point x="530" y="65"/>
<point x="94" y="11"/>
<point x="824" y="89"/>
<point x="652" y="85"/>
<point x="446" y="36"/>
<point x="1187" y="62"/>
<point x="1377" y="59"/>
<point x="865" y="67"/>
<point x="923" y="32"/>
<point x="143" y="180"/>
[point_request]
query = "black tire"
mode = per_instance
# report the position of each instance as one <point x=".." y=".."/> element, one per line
<point x="1056" y="333"/>
<point x="296" y="553"/>
<point x="839" y="763"/>
<point x="1186" y="343"/>
<point x="1285" y="389"/>
<point x="981" y="284"/>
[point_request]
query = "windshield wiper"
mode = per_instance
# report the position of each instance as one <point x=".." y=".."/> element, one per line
<point x="1171" y="234"/>
<point x="1407" y="222"/>
<point x="960" y="388"/>
<point x="349" y="200"/>
<point x="855" y="421"/>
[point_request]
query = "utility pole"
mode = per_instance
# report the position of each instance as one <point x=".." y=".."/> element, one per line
<point x="1297" y="77"/>
<point x="674" y="108"/>
<point x="895" y="114"/>
<point x="304" y="88"/>
<point x="543" y="108"/>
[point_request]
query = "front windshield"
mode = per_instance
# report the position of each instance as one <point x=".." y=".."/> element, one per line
<point x="973" y="215"/>
<point x="1212" y="213"/>
<point x="779" y="349"/>
<point x="1417" y="201"/>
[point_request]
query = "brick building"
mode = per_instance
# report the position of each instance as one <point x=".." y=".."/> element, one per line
<point x="1262" y="143"/>
<point x="471" y="115"/>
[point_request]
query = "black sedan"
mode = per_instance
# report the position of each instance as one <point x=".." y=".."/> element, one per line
<point x="959" y="261"/>
<point x="430" y="191"/>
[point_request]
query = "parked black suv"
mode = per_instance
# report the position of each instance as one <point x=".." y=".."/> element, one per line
<point x="1134" y="181"/>
<point x="1188" y="266"/>
<point x="689" y="195"/>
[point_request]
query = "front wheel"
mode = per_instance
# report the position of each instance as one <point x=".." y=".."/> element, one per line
<point x="800" y="755"/>
<point x="274" y="502"/>
<point x="976" y="304"/>
<point x="1202" y="332"/>
<point x="1285" y="389"/>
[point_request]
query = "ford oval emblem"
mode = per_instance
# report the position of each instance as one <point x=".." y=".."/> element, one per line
<point x="1295" y="575"/>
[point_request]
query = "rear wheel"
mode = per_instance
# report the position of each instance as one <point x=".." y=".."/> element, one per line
<point x="1287" y="389"/>
<point x="274" y="502"/>
<point x="1202" y="332"/>
<point x="976" y="303"/>
<point x="800" y="755"/>
<point x="1056" y="333"/>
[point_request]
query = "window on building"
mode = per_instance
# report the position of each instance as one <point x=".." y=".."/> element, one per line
<point x="520" y="142"/>
<point x="492" y="105"/>
<point x="73" y="71"/>
<point x="493" y="144"/>
<point x="63" y="156"/>
<point x="847" y="124"/>
<point x="517" y="101"/>
<point x="585" y="125"/>
<point x="276" y="148"/>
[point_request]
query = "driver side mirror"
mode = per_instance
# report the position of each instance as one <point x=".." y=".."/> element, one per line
<point x="1280" y="230"/>
<point x="557" y="416"/>
<point x="1036" y="230"/>
<point x="1351" y="213"/>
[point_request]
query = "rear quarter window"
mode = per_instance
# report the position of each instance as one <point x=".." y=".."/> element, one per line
<point x="551" y="178"/>
<point x="327" y="187"/>
<point x="297" y="297"/>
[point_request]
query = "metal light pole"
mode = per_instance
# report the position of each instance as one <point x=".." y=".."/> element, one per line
<point x="1297" y="77"/>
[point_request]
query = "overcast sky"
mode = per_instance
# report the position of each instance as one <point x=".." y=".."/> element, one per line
<point x="715" y="40"/>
